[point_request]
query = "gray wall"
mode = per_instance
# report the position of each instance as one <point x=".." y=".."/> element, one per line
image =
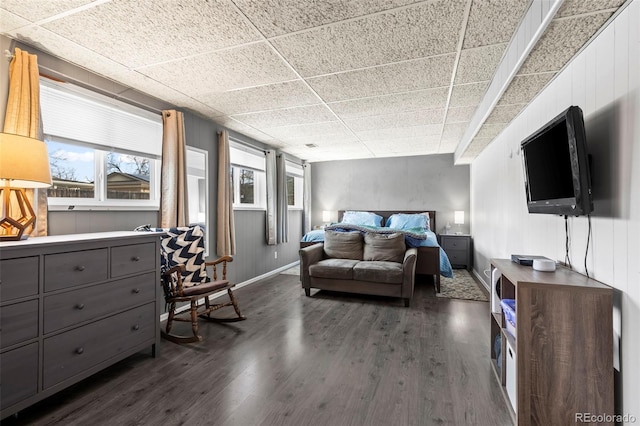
<point x="400" y="183"/>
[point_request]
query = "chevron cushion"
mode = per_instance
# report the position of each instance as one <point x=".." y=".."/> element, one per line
<point x="184" y="245"/>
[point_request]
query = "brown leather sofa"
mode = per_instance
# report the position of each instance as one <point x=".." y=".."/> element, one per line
<point x="377" y="264"/>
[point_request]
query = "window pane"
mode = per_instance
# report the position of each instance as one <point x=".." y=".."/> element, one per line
<point x="72" y="171"/>
<point x="246" y="186"/>
<point x="127" y="177"/>
<point x="291" y="191"/>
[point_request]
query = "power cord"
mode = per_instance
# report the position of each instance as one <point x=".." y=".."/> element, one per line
<point x="567" y="258"/>
<point x="587" y="251"/>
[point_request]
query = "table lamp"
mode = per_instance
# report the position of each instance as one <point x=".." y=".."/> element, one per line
<point x="326" y="217"/>
<point x="24" y="163"/>
<point x="458" y="219"/>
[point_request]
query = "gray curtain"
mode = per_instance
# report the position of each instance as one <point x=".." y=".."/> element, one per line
<point x="282" y="218"/>
<point x="306" y="198"/>
<point x="272" y="196"/>
<point x="173" y="179"/>
<point x="226" y="234"/>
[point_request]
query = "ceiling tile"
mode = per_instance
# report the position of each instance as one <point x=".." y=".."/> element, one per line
<point x="246" y="66"/>
<point x="524" y="87"/>
<point x="427" y="29"/>
<point x="261" y="98"/>
<point x="35" y="10"/>
<point x="460" y="114"/>
<point x="287" y="116"/>
<point x="479" y="64"/>
<point x="561" y="42"/>
<point x="10" y="21"/>
<point x="242" y="128"/>
<point x="312" y="132"/>
<point x="467" y="94"/>
<point x="391" y="104"/>
<point x="575" y="7"/>
<point x="448" y="145"/>
<point x="454" y="131"/>
<point x="413" y="118"/>
<point x="418" y="74"/>
<point x="493" y="21"/>
<point x="146" y="32"/>
<point x="277" y="17"/>
<point x="422" y="132"/>
<point x="504" y="113"/>
<point x="490" y="130"/>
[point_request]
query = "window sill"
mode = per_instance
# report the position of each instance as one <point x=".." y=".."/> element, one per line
<point x="94" y="207"/>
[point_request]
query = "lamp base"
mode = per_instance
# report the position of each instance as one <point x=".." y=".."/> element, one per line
<point x="17" y="218"/>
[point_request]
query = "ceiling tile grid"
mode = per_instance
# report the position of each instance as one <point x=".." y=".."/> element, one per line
<point x="353" y="78"/>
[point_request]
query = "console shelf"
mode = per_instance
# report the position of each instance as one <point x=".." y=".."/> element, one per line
<point x="561" y="362"/>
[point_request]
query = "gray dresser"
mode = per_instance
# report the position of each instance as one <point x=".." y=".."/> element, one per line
<point x="71" y="306"/>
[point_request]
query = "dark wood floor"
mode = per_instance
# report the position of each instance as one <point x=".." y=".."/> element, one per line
<point x="331" y="359"/>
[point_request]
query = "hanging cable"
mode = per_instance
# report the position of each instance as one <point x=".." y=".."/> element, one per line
<point x="567" y="258"/>
<point x="588" y="241"/>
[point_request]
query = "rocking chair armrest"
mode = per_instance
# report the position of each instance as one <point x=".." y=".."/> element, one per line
<point x="218" y="260"/>
<point x="178" y="268"/>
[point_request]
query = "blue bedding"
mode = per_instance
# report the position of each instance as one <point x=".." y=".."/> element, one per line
<point x="428" y="240"/>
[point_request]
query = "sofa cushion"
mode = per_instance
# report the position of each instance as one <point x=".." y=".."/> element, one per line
<point x="340" y="269"/>
<point x="387" y="247"/>
<point x="343" y="245"/>
<point x="378" y="272"/>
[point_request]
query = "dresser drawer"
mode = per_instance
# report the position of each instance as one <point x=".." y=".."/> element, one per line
<point x="18" y="375"/>
<point x="458" y="257"/>
<point x="18" y="322"/>
<point x="73" y="307"/>
<point x="18" y="277"/>
<point x="455" y="244"/>
<point x="69" y="269"/>
<point x="133" y="258"/>
<point x="75" y="351"/>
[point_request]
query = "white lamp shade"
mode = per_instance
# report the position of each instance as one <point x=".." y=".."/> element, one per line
<point x="326" y="216"/>
<point x="458" y="217"/>
<point x="24" y="162"/>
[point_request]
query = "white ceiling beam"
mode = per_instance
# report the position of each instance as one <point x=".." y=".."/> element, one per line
<point x="531" y="28"/>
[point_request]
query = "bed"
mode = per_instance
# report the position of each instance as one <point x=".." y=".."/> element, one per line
<point x="432" y="260"/>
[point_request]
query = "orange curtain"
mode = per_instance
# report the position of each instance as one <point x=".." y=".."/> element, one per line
<point x="23" y="118"/>
<point x="173" y="179"/>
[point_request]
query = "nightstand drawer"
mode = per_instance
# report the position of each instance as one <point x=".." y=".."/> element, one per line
<point x="458" y="257"/>
<point x="454" y="243"/>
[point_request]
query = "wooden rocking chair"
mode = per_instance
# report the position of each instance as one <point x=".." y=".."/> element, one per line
<point x="184" y="279"/>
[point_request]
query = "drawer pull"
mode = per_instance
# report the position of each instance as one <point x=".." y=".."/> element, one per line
<point x="80" y="350"/>
<point x="80" y="306"/>
<point x="135" y="290"/>
<point x="135" y="327"/>
<point x="135" y="258"/>
<point x="79" y="268"/>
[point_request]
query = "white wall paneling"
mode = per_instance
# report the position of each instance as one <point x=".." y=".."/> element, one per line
<point x="604" y="81"/>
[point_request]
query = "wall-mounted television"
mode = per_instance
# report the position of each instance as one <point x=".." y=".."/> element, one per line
<point x="556" y="167"/>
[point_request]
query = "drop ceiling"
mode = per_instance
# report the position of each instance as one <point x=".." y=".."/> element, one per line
<point x="322" y="80"/>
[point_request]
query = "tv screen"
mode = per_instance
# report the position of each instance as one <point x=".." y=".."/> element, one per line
<point x="555" y="158"/>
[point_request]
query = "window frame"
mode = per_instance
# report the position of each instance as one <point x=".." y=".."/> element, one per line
<point x="295" y="170"/>
<point x="253" y="159"/>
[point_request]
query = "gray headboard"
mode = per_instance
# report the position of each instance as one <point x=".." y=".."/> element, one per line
<point x="386" y="213"/>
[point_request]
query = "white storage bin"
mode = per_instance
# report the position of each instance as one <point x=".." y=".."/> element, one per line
<point x="511" y="375"/>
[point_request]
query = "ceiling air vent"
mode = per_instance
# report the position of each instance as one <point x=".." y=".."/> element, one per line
<point x="311" y="145"/>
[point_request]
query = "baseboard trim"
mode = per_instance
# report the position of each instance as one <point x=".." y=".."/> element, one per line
<point x="484" y="283"/>
<point x="163" y="317"/>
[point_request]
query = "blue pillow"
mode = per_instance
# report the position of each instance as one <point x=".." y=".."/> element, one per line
<point x="362" y="218"/>
<point x="407" y="221"/>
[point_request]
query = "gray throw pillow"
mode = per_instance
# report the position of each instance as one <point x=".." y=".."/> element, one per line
<point x="388" y="247"/>
<point x="343" y="245"/>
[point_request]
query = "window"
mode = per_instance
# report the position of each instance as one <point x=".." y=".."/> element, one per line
<point x="248" y="179"/>
<point x="295" y="185"/>
<point x="103" y="153"/>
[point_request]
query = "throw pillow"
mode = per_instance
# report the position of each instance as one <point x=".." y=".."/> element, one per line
<point x="343" y="245"/>
<point x="388" y="247"/>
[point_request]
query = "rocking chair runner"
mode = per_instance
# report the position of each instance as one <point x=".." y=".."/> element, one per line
<point x="184" y="279"/>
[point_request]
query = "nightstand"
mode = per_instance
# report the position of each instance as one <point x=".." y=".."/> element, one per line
<point x="458" y="249"/>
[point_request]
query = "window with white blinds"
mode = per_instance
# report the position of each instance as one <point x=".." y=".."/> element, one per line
<point x="103" y="153"/>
